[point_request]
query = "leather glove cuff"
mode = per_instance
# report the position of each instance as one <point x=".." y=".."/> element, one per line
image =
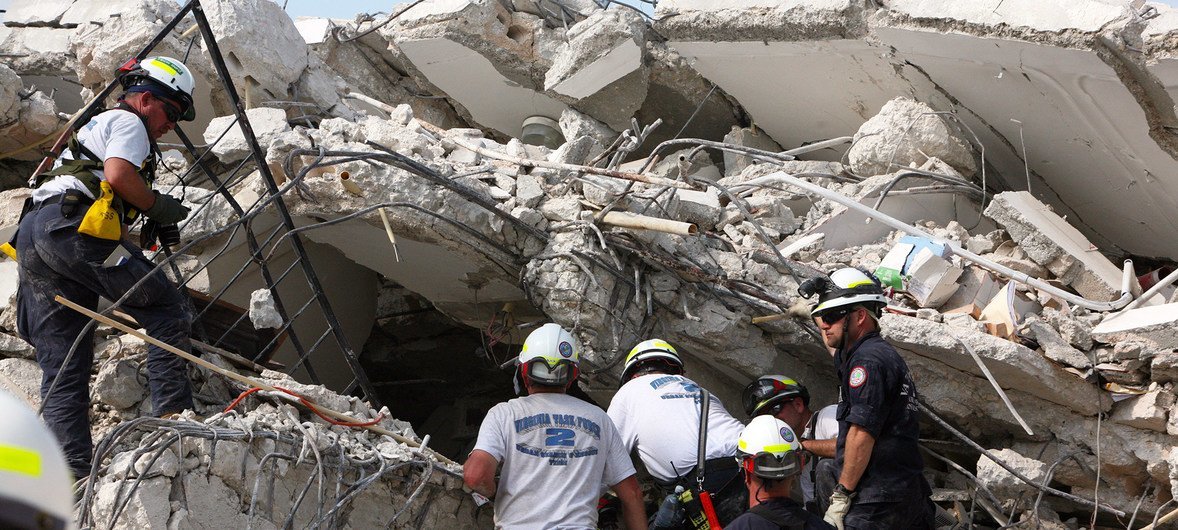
<point x="166" y="210"/>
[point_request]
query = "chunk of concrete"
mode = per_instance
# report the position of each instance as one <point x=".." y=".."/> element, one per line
<point x="574" y="124"/>
<point x="267" y="123"/>
<point x="1163" y="367"/>
<point x="13" y="346"/>
<point x="1055" y="347"/>
<point x="263" y="312"/>
<point x="1050" y="241"/>
<point x="22" y="378"/>
<point x="699" y="207"/>
<point x="146" y="507"/>
<point x="1014" y="366"/>
<point x="529" y="189"/>
<point x="603" y="48"/>
<point x="10" y="87"/>
<point x="118" y="384"/>
<point x="36" y="12"/>
<point x="1147" y="411"/>
<point x="264" y="58"/>
<point x="908" y="132"/>
<point x="1158" y="324"/>
<point x="734" y="163"/>
<point x="1002" y="482"/>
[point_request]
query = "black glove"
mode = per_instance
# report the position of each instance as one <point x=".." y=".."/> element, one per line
<point x="169" y="235"/>
<point x="166" y="210"/>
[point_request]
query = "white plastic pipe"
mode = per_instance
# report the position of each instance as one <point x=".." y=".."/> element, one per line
<point x="642" y="222"/>
<point x="1157" y="288"/>
<point x="781" y="177"/>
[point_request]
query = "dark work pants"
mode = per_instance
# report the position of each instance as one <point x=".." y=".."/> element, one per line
<point x="56" y="260"/>
<point x="915" y="512"/>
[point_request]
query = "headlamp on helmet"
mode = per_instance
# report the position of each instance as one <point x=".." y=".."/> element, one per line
<point x="845" y="288"/>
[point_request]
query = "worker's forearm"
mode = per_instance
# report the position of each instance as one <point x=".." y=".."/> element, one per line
<point x="822" y="448"/>
<point x="633" y="510"/>
<point x="125" y="181"/>
<point x="856" y="455"/>
<point x="478" y="473"/>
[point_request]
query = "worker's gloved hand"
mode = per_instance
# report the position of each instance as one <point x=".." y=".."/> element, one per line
<point x="671" y="513"/>
<point x="839" y="504"/>
<point x="166" y="210"/>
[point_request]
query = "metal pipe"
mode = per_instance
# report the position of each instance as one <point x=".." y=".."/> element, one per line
<point x="1153" y="291"/>
<point x="817" y="146"/>
<point x="645" y="222"/>
<point x="781" y="177"/>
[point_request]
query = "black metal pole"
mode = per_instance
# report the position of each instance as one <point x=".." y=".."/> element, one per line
<point x="259" y="158"/>
<point x="255" y="252"/>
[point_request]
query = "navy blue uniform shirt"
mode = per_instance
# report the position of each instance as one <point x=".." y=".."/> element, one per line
<point x="879" y="396"/>
<point x="784" y="510"/>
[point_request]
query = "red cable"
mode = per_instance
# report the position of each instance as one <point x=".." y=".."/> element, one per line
<point x="311" y="406"/>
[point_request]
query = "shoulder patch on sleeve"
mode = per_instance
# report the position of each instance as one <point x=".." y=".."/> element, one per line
<point x="858" y="377"/>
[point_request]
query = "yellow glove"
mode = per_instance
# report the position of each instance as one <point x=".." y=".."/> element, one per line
<point x="839" y="504"/>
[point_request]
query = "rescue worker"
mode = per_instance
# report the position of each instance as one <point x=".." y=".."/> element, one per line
<point x="657" y="411"/>
<point x="71" y="242"/>
<point x="556" y="450"/>
<point x="772" y="458"/>
<point x="36" y="490"/>
<point x="789" y="401"/>
<point x="877" y="464"/>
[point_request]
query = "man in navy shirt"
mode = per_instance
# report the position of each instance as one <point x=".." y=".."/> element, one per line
<point x="770" y="456"/>
<point x="877" y="463"/>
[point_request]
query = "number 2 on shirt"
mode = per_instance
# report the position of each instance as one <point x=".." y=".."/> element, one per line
<point x="559" y="437"/>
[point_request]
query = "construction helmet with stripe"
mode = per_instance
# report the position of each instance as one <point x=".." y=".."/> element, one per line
<point x="846" y="287"/>
<point x="650" y="351"/>
<point x="162" y="73"/>
<point x="760" y="396"/>
<point x="550" y="356"/>
<point x="769" y="449"/>
<point x="36" y="488"/>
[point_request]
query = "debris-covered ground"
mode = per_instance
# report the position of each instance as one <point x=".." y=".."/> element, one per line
<point x="459" y="170"/>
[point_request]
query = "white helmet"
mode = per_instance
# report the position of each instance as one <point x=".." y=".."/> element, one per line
<point x="650" y="350"/>
<point x="166" y="73"/>
<point x="846" y="287"/>
<point x="769" y="449"/>
<point x="550" y="356"/>
<point x="36" y="488"/>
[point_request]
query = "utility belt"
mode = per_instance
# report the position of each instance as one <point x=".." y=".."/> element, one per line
<point x="712" y="465"/>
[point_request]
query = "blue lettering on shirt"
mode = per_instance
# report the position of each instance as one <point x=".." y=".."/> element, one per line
<point x="662" y="381"/>
<point x="532" y="422"/>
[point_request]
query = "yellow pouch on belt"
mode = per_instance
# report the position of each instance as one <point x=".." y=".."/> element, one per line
<point x="102" y="219"/>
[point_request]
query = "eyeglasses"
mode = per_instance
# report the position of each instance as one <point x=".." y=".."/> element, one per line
<point x="172" y="112"/>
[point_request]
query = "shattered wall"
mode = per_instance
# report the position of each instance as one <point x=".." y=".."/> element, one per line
<point x="1023" y="141"/>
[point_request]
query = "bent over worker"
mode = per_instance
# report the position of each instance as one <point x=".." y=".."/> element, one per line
<point x="657" y="410"/>
<point x="71" y="242"/>
<point x="878" y="464"/>
<point x="556" y="450"/>
<point x="772" y="458"/>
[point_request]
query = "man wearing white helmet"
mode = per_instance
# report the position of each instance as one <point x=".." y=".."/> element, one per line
<point x="878" y="464"/>
<point x="556" y="450"/>
<point x="72" y="243"/>
<point x="789" y="401"/>
<point x="36" y="490"/>
<point x="657" y="410"/>
<point x="771" y="457"/>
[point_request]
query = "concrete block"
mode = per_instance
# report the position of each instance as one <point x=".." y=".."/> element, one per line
<point x="1050" y="241"/>
<point x="529" y="189"/>
<point x="908" y="132"/>
<point x="1163" y="367"/>
<point x="699" y="207"/>
<point x="1014" y="366"/>
<point x="267" y="123"/>
<point x="1158" y="324"/>
<point x="1055" y="347"/>
<point x="264" y="58"/>
<point x="1147" y="411"/>
<point x="603" y="48"/>
<point x="1002" y="482"/>
<point x="574" y="124"/>
<point x="118" y="384"/>
<point x="36" y="12"/>
<point x="22" y="378"/>
<point x="734" y="163"/>
<point x="560" y="209"/>
<point x="13" y="346"/>
<point x="146" y="507"/>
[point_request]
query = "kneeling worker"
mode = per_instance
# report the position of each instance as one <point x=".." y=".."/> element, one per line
<point x="556" y="450"/>
<point x="771" y="458"/>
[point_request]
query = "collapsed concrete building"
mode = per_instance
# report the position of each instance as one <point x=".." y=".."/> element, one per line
<point x="449" y="174"/>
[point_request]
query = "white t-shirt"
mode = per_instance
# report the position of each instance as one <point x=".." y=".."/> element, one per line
<point x="825" y="427"/>
<point x="112" y="134"/>
<point x="556" y="452"/>
<point x="659" y="413"/>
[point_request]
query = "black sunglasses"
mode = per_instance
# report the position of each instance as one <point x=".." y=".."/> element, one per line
<point x="172" y="112"/>
<point x="835" y="316"/>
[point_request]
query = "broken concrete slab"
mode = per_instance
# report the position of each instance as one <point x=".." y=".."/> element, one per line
<point x="1052" y="242"/>
<point x="1013" y="365"/>
<point x="1163" y="368"/>
<point x="1158" y="324"/>
<point x="36" y="12"/>
<point x="908" y="133"/>
<point x="267" y="123"/>
<point x="1147" y="411"/>
<point x="734" y="163"/>
<point x="603" y="48"/>
<point x="22" y="378"/>
<point x="1055" y="347"/>
<point x="1002" y="482"/>
<point x="118" y="384"/>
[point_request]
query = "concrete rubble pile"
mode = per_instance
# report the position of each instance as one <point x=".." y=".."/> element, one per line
<point x="985" y="130"/>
